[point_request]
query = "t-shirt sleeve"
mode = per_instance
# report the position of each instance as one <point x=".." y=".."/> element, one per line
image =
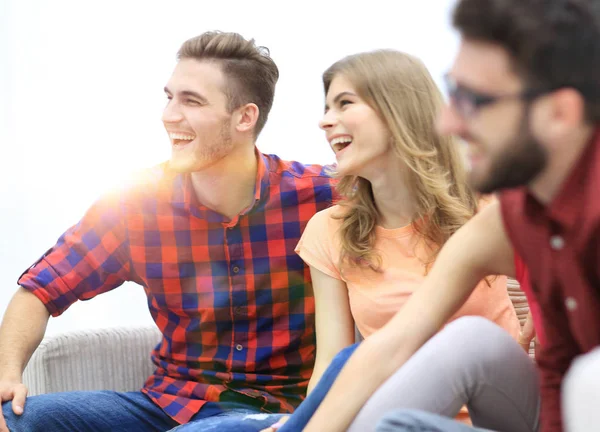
<point x="90" y="258"/>
<point x="316" y="246"/>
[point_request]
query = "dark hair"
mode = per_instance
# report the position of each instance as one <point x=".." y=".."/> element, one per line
<point x="552" y="43"/>
<point x="250" y="71"/>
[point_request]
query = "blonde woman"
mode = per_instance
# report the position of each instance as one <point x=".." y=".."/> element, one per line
<point x="404" y="194"/>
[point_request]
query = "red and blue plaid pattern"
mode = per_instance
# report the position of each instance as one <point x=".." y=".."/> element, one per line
<point x="231" y="298"/>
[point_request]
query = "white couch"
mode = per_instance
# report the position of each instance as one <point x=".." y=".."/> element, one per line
<point x="104" y="359"/>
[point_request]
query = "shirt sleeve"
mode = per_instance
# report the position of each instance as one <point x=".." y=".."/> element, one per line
<point x="316" y="246"/>
<point x="90" y="258"/>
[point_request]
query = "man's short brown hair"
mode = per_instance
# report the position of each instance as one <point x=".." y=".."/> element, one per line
<point x="250" y="72"/>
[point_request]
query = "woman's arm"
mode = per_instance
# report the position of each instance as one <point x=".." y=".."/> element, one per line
<point x="334" y="323"/>
<point x="478" y="249"/>
<point x="527" y="333"/>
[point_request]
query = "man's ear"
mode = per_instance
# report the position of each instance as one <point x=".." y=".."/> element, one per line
<point x="246" y="117"/>
<point x="557" y="114"/>
<point x="567" y="110"/>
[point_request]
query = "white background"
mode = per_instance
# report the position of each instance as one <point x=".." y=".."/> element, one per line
<point x="81" y="98"/>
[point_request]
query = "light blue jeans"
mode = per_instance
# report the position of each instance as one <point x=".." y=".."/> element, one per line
<point x="296" y="423"/>
<point x="108" y="411"/>
<point x="309" y="406"/>
<point x="408" y="420"/>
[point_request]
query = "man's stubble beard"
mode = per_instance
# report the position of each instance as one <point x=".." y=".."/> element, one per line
<point x="518" y="164"/>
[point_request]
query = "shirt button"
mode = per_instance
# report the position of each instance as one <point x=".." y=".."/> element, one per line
<point x="571" y="304"/>
<point x="235" y="269"/>
<point x="557" y="242"/>
<point x="239" y="347"/>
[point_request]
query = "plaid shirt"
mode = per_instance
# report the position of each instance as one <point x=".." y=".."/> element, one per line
<point x="232" y="299"/>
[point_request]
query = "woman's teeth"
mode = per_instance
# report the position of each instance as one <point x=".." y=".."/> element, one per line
<point x="340" y="143"/>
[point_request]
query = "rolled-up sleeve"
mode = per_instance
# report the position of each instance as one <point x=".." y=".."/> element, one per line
<point x="90" y="258"/>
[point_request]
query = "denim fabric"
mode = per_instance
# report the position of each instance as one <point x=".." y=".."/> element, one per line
<point x="309" y="406"/>
<point x="109" y="411"/>
<point x="420" y="421"/>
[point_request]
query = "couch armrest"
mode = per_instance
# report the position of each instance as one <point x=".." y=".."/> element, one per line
<point x="104" y="359"/>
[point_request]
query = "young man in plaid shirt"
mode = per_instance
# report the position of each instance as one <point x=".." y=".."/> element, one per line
<point x="210" y="235"/>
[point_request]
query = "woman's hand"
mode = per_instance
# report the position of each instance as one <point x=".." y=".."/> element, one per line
<point x="527" y="333"/>
<point x="277" y="425"/>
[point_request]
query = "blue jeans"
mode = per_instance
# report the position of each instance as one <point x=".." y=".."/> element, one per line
<point x="307" y="408"/>
<point x="100" y="411"/>
<point x="297" y="421"/>
<point x="409" y="420"/>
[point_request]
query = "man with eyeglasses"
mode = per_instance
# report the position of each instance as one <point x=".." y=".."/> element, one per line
<point x="525" y="96"/>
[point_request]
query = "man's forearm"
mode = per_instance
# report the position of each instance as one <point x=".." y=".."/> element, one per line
<point x="22" y="330"/>
<point x="348" y="394"/>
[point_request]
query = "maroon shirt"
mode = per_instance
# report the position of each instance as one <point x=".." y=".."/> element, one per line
<point x="560" y="243"/>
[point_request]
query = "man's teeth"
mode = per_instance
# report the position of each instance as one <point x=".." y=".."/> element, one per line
<point x="340" y="142"/>
<point x="178" y="136"/>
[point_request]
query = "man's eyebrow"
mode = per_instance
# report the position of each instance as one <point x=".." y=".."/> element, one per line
<point x="189" y="93"/>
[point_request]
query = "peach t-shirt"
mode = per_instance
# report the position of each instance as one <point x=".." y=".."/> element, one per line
<point x="375" y="297"/>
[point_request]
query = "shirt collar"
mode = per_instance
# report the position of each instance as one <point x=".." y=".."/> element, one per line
<point x="568" y="204"/>
<point x="261" y="190"/>
<point x="182" y="195"/>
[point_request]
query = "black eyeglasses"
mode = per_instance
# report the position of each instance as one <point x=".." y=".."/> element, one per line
<point x="467" y="102"/>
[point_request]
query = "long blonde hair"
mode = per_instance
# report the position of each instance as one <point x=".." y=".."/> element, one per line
<point x="400" y="89"/>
